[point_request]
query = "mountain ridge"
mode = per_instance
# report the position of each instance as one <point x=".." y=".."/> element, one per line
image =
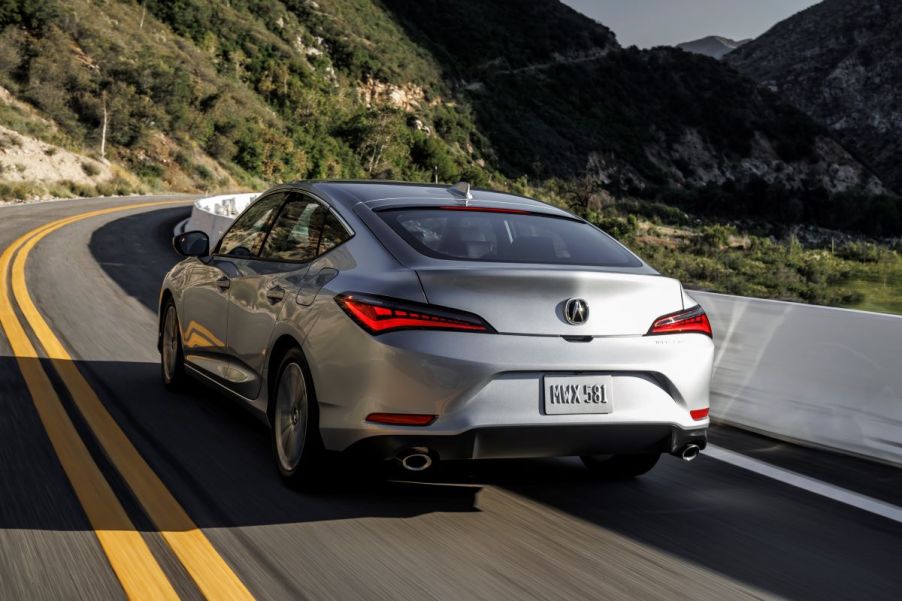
<point x="841" y="62"/>
<point x="714" y="46"/>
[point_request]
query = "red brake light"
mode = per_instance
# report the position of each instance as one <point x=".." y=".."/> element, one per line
<point x="483" y="209"/>
<point x="691" y="320"/>
<point x="378" y="315"/>
<point x="698" y="414"/>
<point x="400" y="419"/>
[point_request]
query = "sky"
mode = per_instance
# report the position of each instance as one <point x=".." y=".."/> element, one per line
<point x="647" y="23"/>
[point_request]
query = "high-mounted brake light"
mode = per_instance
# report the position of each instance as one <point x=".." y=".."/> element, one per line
<point x="378" y="315"/>
<point x="483" y="209"/>
<point x="692" y="320"/>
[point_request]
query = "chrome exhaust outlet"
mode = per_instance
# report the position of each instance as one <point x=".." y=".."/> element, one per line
<point x="416" y="459"/>
<point x="689" y="452"/>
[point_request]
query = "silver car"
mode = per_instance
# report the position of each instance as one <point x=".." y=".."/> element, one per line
<point x="417" y="323"/>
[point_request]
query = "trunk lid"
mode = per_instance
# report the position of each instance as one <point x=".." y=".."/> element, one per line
<point x="532" y="300"/>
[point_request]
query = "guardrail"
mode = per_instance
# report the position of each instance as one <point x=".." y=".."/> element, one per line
<point x="214" y="214"/>
<point x="815" y="375"/>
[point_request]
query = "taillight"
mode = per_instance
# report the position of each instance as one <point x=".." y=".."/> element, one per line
<point x="691" y="320"/>
<point x="377" y="315"/>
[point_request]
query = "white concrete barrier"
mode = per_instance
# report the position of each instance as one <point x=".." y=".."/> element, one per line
<point x="215" y="214"/>
<point x="817" y="375"/>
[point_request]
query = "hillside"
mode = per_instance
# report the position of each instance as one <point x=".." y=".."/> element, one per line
<point x="661" y="123"/>
<point x="212" y="94"/>
<point x="209" y="95"/>
<point x="714" y="46"/>
<point x="841" y="62"/>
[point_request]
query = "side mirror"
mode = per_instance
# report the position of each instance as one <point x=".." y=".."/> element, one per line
<point x="192" y="244"/>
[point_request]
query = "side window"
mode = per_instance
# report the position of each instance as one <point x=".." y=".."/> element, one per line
<point x="303" y="230"/>
<point x="334" y="233"/>
<point x="296" y="233"/>
<point x="246" y="235"/>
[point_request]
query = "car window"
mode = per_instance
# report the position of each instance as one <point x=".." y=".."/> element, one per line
<point x="334" y="233"/>
<point x="246" y="235"/>
<point x="297" y="231"/>
<point x="507" y="238"/>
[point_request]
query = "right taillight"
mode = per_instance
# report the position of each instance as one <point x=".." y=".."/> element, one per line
<point x="378" y="315"/>
<point x="690" y="321"/>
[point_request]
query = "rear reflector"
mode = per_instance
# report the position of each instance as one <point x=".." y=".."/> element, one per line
<point x="689" y="321"/>
<point x="400" y="419"/>
<point x="698" y="414"/>
<point x="377" y="315"/>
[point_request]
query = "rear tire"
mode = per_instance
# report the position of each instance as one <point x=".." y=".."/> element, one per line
<point x="620" y="467"/>
<point x="296" y="444"/>
<point x="172" y="359"/>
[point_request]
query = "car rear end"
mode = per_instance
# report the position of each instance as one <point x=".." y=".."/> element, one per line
<point x="536" y="335"/>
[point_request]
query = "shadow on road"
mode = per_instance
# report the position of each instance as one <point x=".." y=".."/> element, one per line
<point x="136" y="251"/>
<point x="213" y="455"/>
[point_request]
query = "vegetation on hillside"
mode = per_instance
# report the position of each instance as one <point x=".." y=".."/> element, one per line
<point x="268" y="91"/>
<point x="622" y="117"/>
<point x="755" y="258"/>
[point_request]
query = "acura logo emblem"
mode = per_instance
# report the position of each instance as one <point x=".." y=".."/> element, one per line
<point x="576" y="311"/>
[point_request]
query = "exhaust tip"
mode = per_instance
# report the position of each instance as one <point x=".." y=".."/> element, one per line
<point x="689" y="452"/>
<point x="417" y="459"/>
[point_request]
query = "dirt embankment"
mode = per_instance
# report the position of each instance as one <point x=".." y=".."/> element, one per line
<point x="27" y="159"/>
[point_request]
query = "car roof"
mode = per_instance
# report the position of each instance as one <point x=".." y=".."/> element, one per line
<point x="384" y="194"/>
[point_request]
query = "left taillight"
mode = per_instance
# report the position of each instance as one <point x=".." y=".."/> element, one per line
<point x="692" y="320"/>
<point x="378" y="315"/>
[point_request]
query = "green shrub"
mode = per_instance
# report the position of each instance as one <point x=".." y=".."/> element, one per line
<point x="148" y="170"/>
<point x="865" y="252"/>
<point x="90" y="169"/>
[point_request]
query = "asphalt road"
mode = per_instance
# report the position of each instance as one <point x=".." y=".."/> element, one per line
<point x="538" y="529"/>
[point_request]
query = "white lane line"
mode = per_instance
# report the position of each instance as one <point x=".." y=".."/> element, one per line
<point x="811" y="485"/>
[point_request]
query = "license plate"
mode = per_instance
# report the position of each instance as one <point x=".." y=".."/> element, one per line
<point x="578" y="394"/>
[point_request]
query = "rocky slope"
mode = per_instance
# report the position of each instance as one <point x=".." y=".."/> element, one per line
<point x="841" y="62"/>
<point x="714" y="46"/>
<point x="34" y="162"/>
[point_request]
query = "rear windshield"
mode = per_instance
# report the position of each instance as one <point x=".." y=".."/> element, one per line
<point x="507" y="238"/>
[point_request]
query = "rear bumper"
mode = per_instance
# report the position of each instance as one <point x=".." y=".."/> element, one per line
<point x="537" y="441"/>
<point x="487" y="389"/>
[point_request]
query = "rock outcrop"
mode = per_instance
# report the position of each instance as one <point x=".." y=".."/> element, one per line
<point x="841" y="62"/>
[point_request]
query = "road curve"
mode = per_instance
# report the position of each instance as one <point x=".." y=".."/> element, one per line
<point x="490" y="530"/>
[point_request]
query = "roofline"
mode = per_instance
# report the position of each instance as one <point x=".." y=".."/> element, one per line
<point x="390" y="182"/>
<point x="512" y="198"/>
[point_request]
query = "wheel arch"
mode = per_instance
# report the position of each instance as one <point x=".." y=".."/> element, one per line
<point x="280" y="348"/>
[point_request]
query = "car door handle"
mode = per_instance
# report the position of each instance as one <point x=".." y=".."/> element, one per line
<point x="223" y="283"/>
<point x="275" y="294"/>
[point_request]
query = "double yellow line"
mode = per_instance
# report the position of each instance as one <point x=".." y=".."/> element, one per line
<point x="130" y="557"/>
